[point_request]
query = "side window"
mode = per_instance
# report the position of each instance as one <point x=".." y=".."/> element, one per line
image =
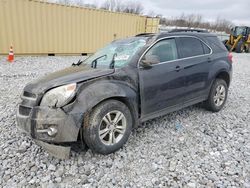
<point x="164" y="50"/>
<point x="190" y="47"/>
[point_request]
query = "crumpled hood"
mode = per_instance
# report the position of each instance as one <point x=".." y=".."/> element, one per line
<point x="72" y="74"/>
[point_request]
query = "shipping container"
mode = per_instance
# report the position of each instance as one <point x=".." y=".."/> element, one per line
<point x="37" y="27"/>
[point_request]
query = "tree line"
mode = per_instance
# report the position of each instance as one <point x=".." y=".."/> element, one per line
<point x="197" y="21"/>
<point x="128" y="6"/>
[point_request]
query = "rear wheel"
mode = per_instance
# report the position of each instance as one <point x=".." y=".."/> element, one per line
<point x="108" y="127"/>
<point x="217" y="96"/>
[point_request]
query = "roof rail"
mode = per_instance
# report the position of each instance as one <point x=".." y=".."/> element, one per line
<point x="144" y="34"/>
<point x="189" y="30"/>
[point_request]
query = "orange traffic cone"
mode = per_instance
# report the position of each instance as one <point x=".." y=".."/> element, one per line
<point x="11" y="55"/>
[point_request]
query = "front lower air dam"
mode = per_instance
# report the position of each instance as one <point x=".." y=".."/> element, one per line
<point x="60" y="152"/>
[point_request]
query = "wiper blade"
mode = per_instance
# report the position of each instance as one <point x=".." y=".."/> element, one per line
<point x="78" y="63"/>
<point x="94" y="62"/>
<point x="112" y="64"/>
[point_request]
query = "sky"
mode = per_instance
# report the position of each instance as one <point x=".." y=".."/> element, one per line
<point x="237" y="11"/>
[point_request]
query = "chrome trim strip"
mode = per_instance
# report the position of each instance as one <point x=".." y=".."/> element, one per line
<point x="169" y="37"/>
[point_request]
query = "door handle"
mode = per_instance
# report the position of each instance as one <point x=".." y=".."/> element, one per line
<point x="209" y="60"/>
<point x="177" y="68"/>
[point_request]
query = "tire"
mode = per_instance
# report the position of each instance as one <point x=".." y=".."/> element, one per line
<point x="98" y="130"/>
<point x="214" y="102"/>
<point x="247" y="50"/>
<point x="239" y="47"/>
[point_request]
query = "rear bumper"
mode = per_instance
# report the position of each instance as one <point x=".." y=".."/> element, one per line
<point x="38" y="123"/>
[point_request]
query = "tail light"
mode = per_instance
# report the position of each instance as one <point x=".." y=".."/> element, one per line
<point x="230" y="57"/>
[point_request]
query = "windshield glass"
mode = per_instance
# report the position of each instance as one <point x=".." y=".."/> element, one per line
<point x="240" y="31"/>
<point x="121" y="50"/>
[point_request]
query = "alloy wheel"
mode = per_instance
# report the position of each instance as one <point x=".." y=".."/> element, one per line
<point x="220" y="95"/>
<point x="112" y="127"/>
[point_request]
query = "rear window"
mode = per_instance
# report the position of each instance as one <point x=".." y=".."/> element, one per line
<point x="216" y="44"/>
<point x="190" y="47"/>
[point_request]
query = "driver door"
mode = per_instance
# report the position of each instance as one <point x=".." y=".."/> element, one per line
<point x="162" y="84"/>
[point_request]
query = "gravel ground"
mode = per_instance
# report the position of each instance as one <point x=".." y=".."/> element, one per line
<point x="188" y="148"/>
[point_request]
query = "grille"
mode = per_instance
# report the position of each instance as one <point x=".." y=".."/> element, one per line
<point x="28" y="94"/>
<point x="25" y="111"/>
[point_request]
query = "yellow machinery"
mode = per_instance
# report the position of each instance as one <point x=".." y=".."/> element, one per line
<point x="239" y="40"/>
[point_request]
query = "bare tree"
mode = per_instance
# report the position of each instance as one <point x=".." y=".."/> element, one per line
<point x="151" y="13"/>
<point x="222" y="25"/>
<point x="198" y="20"/>
<point x="119" y="6"/>
<point x="64" y="2"/>
<point x="79" y="3"/>
<point x="133" y="7"/>
<point x="109" y="5"/>
<point x="90" y="5"/>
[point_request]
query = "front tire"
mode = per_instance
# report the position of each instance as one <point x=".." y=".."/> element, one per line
<point x="217" y="96"/>
<point x="108" y="127"/>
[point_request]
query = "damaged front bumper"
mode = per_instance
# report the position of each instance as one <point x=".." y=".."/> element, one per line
<point x="52" y="128"/>
<point x="60" y="152"/>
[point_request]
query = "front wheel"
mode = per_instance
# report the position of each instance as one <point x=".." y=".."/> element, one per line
<point x="217" y="96"/>
<point x="108" y="127"/>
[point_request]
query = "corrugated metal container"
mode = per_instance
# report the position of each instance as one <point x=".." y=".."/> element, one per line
<point x="152" y="25"/>
<point x="35" y="27"/>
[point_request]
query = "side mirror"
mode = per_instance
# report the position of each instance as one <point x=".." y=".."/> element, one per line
<point x="149" y="60"/>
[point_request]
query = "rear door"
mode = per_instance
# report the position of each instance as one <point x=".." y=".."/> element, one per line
<point x="162" y="85"/>
<point x="196" y="60"/>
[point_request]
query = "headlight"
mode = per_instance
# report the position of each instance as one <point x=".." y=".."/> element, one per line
<point x="59" y="96"/>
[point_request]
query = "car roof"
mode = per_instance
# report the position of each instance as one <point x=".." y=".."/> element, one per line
<point x="169" y="34"/>
<point x="199" y="34"/>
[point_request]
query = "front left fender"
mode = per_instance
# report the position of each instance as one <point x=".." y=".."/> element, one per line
<point x="94" y="93"/>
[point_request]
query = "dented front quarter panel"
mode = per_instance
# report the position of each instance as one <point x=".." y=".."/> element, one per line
<point x="68" y="120"/>
<point x="123" y="84"/>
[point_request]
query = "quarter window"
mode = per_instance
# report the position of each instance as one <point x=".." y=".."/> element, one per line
<point x="190" y="47"/>
<point x="205" y="48"/>
<point x="164" y="50"/>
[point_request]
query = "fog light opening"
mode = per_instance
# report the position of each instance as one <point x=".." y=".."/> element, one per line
<point x="51" y="131"/>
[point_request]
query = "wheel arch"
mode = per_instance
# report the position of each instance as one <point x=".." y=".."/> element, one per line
<point x="225" y="76"/>
<point x="94" y="94"/>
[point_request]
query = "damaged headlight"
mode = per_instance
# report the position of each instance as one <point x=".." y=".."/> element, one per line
<point x="59" y="96"/>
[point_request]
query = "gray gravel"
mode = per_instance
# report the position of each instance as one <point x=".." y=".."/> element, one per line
<point x="188" y="148"/>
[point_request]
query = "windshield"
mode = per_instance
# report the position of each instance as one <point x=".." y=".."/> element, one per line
<point x="121" y="50"/>
<point x="240" y="31"/>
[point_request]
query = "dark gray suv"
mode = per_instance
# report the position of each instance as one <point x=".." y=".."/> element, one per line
<point x="99" y="101"/>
